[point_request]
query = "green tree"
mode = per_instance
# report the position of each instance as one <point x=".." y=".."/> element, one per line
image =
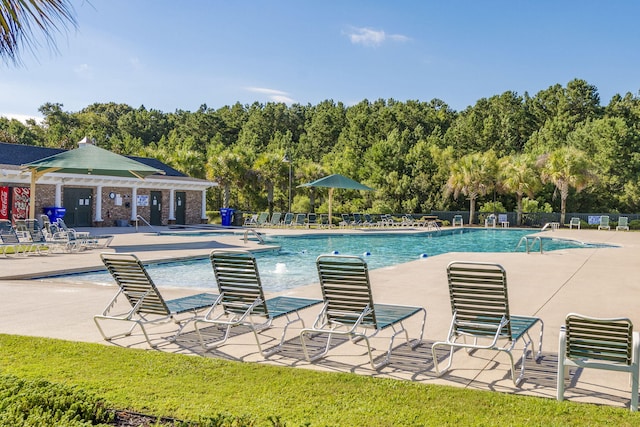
<point x="473" y="175"/>
<point x="518" y="174"/>
<point x="228" y="168"/>
<point x="566" y="168"/>
<point x="22" y="20"/>
<point x="270" y="169"/>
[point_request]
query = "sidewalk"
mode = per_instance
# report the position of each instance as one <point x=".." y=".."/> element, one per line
<point x="600" y="282"/>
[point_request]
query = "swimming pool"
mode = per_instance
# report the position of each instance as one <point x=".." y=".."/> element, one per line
<point x="293" y="264"/>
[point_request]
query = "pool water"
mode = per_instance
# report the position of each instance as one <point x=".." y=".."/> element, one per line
<point x="293" y="265"/>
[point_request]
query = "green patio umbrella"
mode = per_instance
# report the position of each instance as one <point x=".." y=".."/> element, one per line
<point x="87" y="159"/>
<point x="336" y="181"/>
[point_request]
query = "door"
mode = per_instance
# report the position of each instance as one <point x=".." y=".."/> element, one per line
<point x="155" y="216"/>
<point x="78" y="205"/>
<point x="181" y="207"/>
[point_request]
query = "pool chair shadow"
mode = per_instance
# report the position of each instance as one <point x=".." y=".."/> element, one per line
<point x="242" y="301"/>
<point x="146" y="306"/>
<point x="480" y="309"/>
<point x="349" y="310"/>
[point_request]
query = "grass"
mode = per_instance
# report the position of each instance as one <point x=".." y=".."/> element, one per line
<point x="193" y="388"/>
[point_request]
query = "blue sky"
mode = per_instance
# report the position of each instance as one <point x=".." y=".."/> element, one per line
<point x="171" y="55"/>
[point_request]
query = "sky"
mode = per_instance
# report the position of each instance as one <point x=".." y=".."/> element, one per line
<point x="178" y="55"/>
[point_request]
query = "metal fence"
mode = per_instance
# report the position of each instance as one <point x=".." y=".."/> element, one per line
<point x="532" y="219"/>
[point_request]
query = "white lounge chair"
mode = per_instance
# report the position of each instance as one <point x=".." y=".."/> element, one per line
<point x="242" y="301"/>
<point x="145" y="303"/>
<point x="604" y="223"/>
<point x="480" y="307"/>
<point x="574" y="222"/>
<point x="623" y="223"/>
<point x="590" y="342"/>
<point x="349" y="309"/>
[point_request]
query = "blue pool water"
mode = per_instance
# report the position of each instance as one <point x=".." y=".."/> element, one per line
<point x="294" y="264"/>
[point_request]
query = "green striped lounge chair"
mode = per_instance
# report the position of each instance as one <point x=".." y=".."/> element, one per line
<point x="349" y="310"/>
<point x="139" y="302"/>
<point x="590" y="342"/>
<point x="480" y="307"/>
<point x="242" y="301"/>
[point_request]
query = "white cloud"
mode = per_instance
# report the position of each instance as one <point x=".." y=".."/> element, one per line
<point x="21" y="117"/>
<point x="274" y="95"/>
<point x="83" y="70"/>
<point x="373" y="38"/>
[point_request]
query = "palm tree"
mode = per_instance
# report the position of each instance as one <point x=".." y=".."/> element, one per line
<point x="566" y="167"/>
<point x="226" y="168"/>
<point x="19" y="20"/>
<point x="518" y="174"/>
<point x="310" y="171"/>
<point x="472" y="175"/>
<point x="269" y="169"/>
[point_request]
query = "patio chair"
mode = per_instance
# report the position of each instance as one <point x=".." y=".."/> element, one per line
<point x="11" y="244"/>
<point x="349" y="309"/>
<point x="368" y="221"/>
<point x="480" y="307"/>
<point x="346" y="220"/>
<point x="609" y="344"/>
<point x="288" y="219"/>
<point x="357" y="220"/>
<point x="300" y="220"/>
<point x="604" y="223"/>
<point x="275" y="219"/>
<point x="490" y="221"/>
<point x="39" y="243"/>
<point x="623" y="223"/>
<point x="574" y="222"/>
<point x="251" y="220"/>
<point x="146" y="304"/>
<point x="262" y="219"/>
<point x="312" y="220"/>
<point x="324" y="221"/>
<point x="457" y="221"/>
<point x="64" y="240"/>
<point x="242" y="301"/>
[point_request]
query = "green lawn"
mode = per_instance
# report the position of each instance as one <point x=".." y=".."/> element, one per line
<point x="193" y="388"/>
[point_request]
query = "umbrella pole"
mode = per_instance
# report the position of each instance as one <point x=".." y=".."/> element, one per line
<point x="32" y="195"/>
<point x="330" y="197"/>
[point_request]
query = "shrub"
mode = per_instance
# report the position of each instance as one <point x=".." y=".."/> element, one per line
<point x="39" y="402"/>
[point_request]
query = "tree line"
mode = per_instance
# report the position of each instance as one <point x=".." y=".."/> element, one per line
<point x="558" y="148"/>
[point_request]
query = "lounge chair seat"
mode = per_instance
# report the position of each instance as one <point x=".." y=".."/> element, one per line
<point x="146" y="304"/>
<point x="480" y="307"/>
<point x="242" y="301"/>
<point x="608" y="344"/>
<point x="349" y="310"/>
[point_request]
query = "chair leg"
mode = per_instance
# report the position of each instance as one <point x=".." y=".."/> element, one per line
<point x="562" y="369"/>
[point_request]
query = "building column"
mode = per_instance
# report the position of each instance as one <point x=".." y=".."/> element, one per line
<point x="134" y="205"/>
<point x="98" y="214"/>
<point x="203" y="216"/>
<point x="58" y="197"/>
<point x="172" y="210"/>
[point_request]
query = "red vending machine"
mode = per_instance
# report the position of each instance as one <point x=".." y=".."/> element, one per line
<point x="4" y="202"/>
<point x="20" y="203"/>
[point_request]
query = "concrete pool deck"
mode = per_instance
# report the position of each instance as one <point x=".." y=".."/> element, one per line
<point x="601" y="282"/>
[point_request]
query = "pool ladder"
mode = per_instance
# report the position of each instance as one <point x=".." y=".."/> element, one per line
<point x="529" y="243"/>
<point x="255" y="233"/>
<point x="145" y="221"/>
